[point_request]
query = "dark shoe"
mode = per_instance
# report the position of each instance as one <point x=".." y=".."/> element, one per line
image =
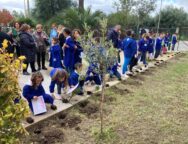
<point x="39" y="68"/>
<point x="44" y="68"/>
<point x="80" y="93"/>
<point x="26" y="73"/>
<point x="65" y="101"/>
<point x="34" y="70"/>
<point x="53" y="107"/>
<point x="29" y="120"/>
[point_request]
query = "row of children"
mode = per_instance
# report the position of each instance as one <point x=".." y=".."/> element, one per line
<point x="147" y="45"/>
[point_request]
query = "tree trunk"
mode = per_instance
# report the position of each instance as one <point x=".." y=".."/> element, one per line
<point x="81" y="4"/>
<point x="101" y="103"/>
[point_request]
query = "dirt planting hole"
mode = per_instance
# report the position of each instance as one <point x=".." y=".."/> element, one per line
<point x="89" y="109"/>
<point x="70" y="121"/>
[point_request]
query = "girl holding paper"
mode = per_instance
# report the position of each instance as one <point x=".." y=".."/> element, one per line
<point x="35" y="90"/>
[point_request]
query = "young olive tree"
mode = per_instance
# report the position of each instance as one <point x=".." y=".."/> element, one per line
<point x="102" y="54"/>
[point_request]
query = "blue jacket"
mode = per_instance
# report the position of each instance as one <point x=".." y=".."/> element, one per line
<point x="55" y="56"/>
<point x="91" y="69"/>
<point x="143" y="45"/>
<point x="73" y="79"/>
<point x="174" y="40"/>
<point x="113" y="68"/>
<point x="53" y="83"/>
<point x="77" y="53"/>
<point x="53" y="33"/>
<point x="113" y="36"/>
<point x="129" y="47"/>
<point x="69" y="53"/>
<point x="167" y="39"/>
<point x="29" y="92"/>
<point x="151" y="45"/>
<point x="158" y="44"/>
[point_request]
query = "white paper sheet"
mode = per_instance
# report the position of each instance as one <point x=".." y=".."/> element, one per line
<point x="39" y="106"/>
<point x="72" y="89"/>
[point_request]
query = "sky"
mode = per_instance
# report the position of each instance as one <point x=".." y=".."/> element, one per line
<point x="104" y="5"/>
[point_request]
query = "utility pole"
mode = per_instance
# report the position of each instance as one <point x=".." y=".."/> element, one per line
<point x="25" y="9"/>
<point x="81" y="5"/>
<point x="28" y="9"/>
<point x="159" y="18"/>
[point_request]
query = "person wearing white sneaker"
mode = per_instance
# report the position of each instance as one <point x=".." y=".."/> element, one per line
<point x="129" y="50"/>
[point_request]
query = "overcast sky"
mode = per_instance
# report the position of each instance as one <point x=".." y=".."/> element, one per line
<point x="104" y="5"/>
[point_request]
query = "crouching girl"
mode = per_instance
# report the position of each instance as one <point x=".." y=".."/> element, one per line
<point x="59" y="77"/>
<point x="33" y="91"/>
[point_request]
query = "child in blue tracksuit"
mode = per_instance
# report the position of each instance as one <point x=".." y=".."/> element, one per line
<point x="151" y="45"/>
<point x="74" y="79"/>
<point x="92" y="75"/>
<point x="53" y="32"/>
<point x="134" y="59"/>
<point x="69" y="48"/>
<point x="33" y="91"/>
<point x="59" y="77"/>
<point x="174" y="41"/>
<point x="129" y="50"/>
<point x="167" y="40"/>
<point x="113" y="71"/>
<point x="158" y="45"/>
<point x="78" y="47"/>
<point x="55" y="54"/>
<point x="143" y="47"/>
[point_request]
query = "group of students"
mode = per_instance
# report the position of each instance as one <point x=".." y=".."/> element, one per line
<point x="148" y="47"/>
<point x="65" y="58"/>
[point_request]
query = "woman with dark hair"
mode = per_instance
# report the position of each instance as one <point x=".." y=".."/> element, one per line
<point x="27" y="48"/>
<point x="15" y="36"/>
<point x="78" y="47"/>
<point x="41" y="39"/>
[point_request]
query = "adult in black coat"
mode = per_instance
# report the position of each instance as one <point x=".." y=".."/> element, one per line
<point x="114" y="36"/>
<point x="4" y="36"/>
<point x="27" y="47"/>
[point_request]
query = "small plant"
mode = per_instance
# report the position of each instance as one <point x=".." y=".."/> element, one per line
<point x="12" y="109"/>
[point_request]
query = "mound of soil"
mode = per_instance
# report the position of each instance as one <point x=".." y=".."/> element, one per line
<point x="62" y="115"/>
<point x="47" y="136"/>
<point x="132" y="82"/>
<point x="83" y="104"/>
<point x="109" y="99"/>
<point x="120" y="89"/>
<point x="147" y="73"/>
<point x="70" y="121"/>
<point x="138" y="77"/>
<point x="89" y="109"/>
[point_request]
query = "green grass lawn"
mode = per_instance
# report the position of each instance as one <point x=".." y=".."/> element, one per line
<point x="150" y="108"/>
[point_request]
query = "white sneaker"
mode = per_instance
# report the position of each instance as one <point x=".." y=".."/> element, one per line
<point x="58" y="96"/>
<point x="124" y="76"/>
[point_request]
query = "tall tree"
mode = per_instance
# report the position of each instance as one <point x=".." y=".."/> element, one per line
<point x="172" y="17"/>
<point x="81" y="4"/>
<point x="5" y="16"/>
<point x="46" y="9"/>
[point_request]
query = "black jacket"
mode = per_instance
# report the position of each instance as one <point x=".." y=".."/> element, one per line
<point x="27" y="46"/>
<point x="113" y="36"/>
<point x="4" y="36"/>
